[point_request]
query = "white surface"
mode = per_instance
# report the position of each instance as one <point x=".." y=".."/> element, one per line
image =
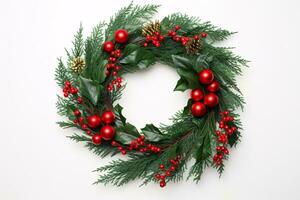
<point x="38" y="162"/>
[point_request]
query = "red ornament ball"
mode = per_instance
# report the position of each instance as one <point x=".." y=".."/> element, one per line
<point x="197" y="94"/>
<point x="211" y="100"/>
<point x="96" y="139"/>
<point x="213" y="87"/>
<point x="108" y="46"/>
<point x="206" y="76"/>
<point x="108" y="117"/>
<point x="121" y="36"/>
<point x="94" y="121"/>
<point x="107" y="132"/>
<point x="198" y="109"/>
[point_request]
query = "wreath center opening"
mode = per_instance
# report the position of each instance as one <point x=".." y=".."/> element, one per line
<point x="148" y="98"/>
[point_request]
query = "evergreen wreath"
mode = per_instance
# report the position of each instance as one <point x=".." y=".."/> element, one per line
<point x="202" y="131"/>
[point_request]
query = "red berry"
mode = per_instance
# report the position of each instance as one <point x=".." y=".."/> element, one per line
<point x="168" y="173"/>
<point x="197" y="94"/>
<point x="157" y="176"/>
<point x="172" y="168"/>
<point x="73" y="91"/>
<point x="66" y="94"/>
<point x="79" y="100"/>
<point x="96" y="139"/>
<point x="67" y="84"/>
<point x="88" y="132"/>
<point x="123" y="152"/>
<point x="203" y="34"/>
<point x="145" y="44"/>
<point x="161" y="166"/>
<point x="177" y="27"/>
<point x="108" y="117"/>
<point x="162" y="183"/>
<point x="77" y="112"/>
<point x="107" y="132"/>
<point x="108" y="46"/>
<point x="196" y="37"/>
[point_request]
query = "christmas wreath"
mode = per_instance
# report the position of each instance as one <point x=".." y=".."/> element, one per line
<point x="202" y="131"/>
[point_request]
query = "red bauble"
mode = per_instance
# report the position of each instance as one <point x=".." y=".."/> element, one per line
<point x="94" y="121"/>
<point x="121" y="36"/>
<point x="197" y="94"/>
<point x="96" y="139"/>
<point x="211" y="100"/>
<point x="108" y="46"/>
<point x="206" y="76"/>
<point x="107" y="132"/>
<point x="213" y="87"/>
<point x="198" y="109"/>
<point x="108" y="117"/>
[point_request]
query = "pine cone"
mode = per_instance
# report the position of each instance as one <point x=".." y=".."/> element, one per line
<point x="151" y="29"/>
<point x="77" y="65"/>
<point x="193" y="46"/>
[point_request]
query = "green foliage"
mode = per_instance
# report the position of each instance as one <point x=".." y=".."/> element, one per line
<point x="192" y="138"/>
<point x="130" y="18"/>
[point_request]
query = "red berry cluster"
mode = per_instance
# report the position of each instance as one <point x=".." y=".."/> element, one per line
<point x="121" y="37"/>
<point x="167" y="172"/>
<point x="81" y="122"/>
<point x="68" y="89"/>
<point x="184" y="40"/>
<point x="138" y="145"/>
<point x="226" y="124"/>
<point x="206" y="77"/>
<point x="155" y="39"/>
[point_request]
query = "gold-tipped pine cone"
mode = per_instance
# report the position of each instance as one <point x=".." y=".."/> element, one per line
<point x="78" y="64"/>
<point x="151" y="28"/>
<point x="193" y="46"/>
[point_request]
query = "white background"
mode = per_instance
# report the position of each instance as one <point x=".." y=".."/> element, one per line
<point x="37" y="161"/>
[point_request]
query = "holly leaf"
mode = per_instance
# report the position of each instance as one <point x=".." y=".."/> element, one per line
<point x="191" y="78"/>
<point x="124" y="138"/>
<point x="200" y="63"/>
<point x="152" y="133"/>
<point x="100" y="73"/>
<point x="181" y="85"/>
<point x="129" y="129"/>
<point x="89" y="89"/>
<point x="118" y="111"/>
<point x="136" y="57"/>
<point x="181" y="62"/>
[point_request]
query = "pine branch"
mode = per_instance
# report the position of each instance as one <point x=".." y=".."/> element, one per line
<point x="193" y="25"/>
<point x="61" y="74"/>
<point x="130" y="18"/>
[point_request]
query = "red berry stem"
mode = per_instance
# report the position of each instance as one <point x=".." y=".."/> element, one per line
<point x="227" y="128"/>
<point x="161" y="176"/>
<point x="137" y="145"/>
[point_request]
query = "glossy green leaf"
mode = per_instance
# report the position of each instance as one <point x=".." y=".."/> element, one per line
<point x="182" y="62"/>
<point x="136" y="57"/>
<point x="152" y="133"/>
<point x="118" y="112"/>
<point x="90" y="89"/>
<point x="190" y="76"/>
<point x="124" y="138"/>
<point x="129" y="129"/>
<point x="181" y="85"/>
